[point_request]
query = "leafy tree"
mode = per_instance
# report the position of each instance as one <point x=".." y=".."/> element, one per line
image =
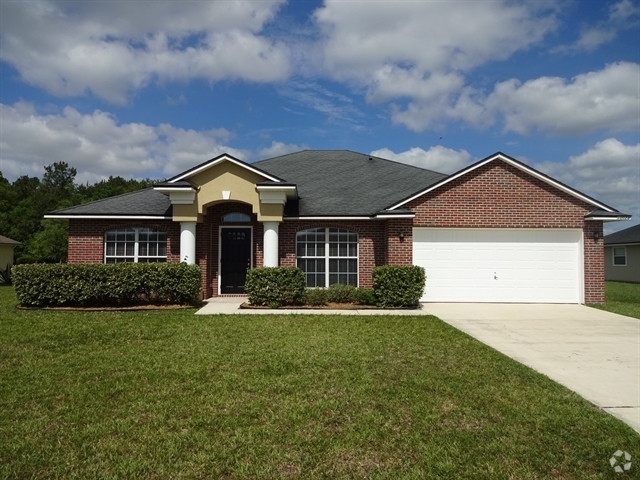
<point x="24" y="202"/>
<point x="48" y="245"/>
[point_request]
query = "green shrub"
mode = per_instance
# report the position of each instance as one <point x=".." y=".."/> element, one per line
<point x="398" y="285"/>
<point x="365" y="296"/>
<point x="275" y="286"/>
<point x="341" y="293"/>
<point x="5" y="275"/>
<point x="316" y="297"/>
<point x="118" y="284"/>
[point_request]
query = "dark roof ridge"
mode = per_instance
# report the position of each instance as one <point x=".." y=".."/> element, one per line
<point x="350" y="151"/>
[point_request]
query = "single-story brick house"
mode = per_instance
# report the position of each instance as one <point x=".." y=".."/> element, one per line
<point x="622" y="255"/>
<point x="496" y="231"/>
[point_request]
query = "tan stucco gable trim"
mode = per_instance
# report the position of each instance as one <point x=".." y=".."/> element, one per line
<point x="217" y="160"/>
<point x="227" y="181"/>
<point x="499" y="156"/>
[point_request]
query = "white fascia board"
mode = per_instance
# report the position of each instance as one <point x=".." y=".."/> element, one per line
<point x="609" y="219"/>
<point x="290" y="191"/>
<point x="220" y="160"/>
<point x="273" y="197"/>
<point x="275" y="187"/>
<point x="404" y="215"/>
<point x="517" y="165"/>
<point x="179" y="195"/>
<point x="327" y="218"/>
<point x="109" y="217"/>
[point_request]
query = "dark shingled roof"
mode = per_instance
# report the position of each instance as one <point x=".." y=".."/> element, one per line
<point x="626" y="236"/>
<point x="345" y="183"/>
<point x="145" y="202"/>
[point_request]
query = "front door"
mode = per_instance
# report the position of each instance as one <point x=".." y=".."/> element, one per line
<point x="235" y="258"/>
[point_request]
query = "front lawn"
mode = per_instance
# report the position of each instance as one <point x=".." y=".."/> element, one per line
<point x="622" y="298"/>
<point x="174" y="395"/>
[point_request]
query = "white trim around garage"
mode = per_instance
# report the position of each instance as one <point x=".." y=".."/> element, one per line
<point x="501" y="265"/>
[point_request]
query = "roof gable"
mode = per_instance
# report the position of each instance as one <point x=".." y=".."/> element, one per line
<point x="499" y="156"/>
<point x="181" y="177"/>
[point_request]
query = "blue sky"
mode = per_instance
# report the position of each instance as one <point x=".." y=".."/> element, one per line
<point x="149" y="89"/>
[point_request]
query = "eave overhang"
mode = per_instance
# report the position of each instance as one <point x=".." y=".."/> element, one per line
<point x="69" y="216"/>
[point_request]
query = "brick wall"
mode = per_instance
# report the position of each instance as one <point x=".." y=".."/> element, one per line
<point x="498" y="195"/>
<point x="86" y="238"/>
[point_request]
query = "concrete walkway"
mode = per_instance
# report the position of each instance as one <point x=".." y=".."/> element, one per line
<point x="231" y="306"/>
<point x="594" y="353"/>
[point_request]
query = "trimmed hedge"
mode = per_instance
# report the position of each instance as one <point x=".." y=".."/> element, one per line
<point x="117" y="284"/>
<point x="275" y="286"/>
<point x="398" y="285"/>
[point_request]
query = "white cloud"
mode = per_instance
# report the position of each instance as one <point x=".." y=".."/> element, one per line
<point x="609" y="172"/>
<point x="421" y="50"/>
<point x="114" y="48"/>
<point x="361" y="38"/>
<point x="338" y="108"/>
<point x="98" y="146"/>
<point x="438" y="158"/>
<point x="607" y="99"/>
<point x="279" y="148"/>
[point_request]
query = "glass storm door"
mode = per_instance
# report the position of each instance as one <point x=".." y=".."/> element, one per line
<point x="235" y="259"/>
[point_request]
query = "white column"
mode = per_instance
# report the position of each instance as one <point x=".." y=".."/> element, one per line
<point x="270" y="244"/>
<point x="188" y="242"/>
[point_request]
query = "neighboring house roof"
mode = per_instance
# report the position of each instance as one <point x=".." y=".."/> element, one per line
<point x="346" y="183"/>
<point x="627" y="236"/>
<point x="7" y="241"/>
<point x="143" y="204"/>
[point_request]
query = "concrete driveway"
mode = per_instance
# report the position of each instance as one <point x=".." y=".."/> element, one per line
<point x="594" y="353"/>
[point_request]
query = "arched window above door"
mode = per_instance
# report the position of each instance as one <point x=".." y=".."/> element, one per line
<point x="236" y="217"/>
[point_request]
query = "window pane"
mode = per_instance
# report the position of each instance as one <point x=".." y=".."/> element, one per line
<point x="130" y="249"/>
<point x="353" y="249"/>
<point x="352" y="266"/>
<point x="162" y="249"/>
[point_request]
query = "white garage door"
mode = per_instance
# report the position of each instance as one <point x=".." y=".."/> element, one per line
<point x="500" y="265"/>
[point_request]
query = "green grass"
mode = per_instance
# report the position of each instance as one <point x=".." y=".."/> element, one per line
<point x="622" y="298"/>
<point x="174" y="395"/>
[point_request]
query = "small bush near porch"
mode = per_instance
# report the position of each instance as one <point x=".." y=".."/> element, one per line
<point x="170" y="394"/>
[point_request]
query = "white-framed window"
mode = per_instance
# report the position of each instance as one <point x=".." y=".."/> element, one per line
<point x="328" y="256"/>
<point x="142" y="245"/>
<point x="619" y="256"/>
<point x="236" y="217"/>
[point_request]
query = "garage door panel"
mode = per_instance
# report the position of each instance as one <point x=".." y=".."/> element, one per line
<point x="496" y="265"/>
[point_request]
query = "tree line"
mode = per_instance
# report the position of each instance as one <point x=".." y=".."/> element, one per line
<point x="24" y="202"/>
